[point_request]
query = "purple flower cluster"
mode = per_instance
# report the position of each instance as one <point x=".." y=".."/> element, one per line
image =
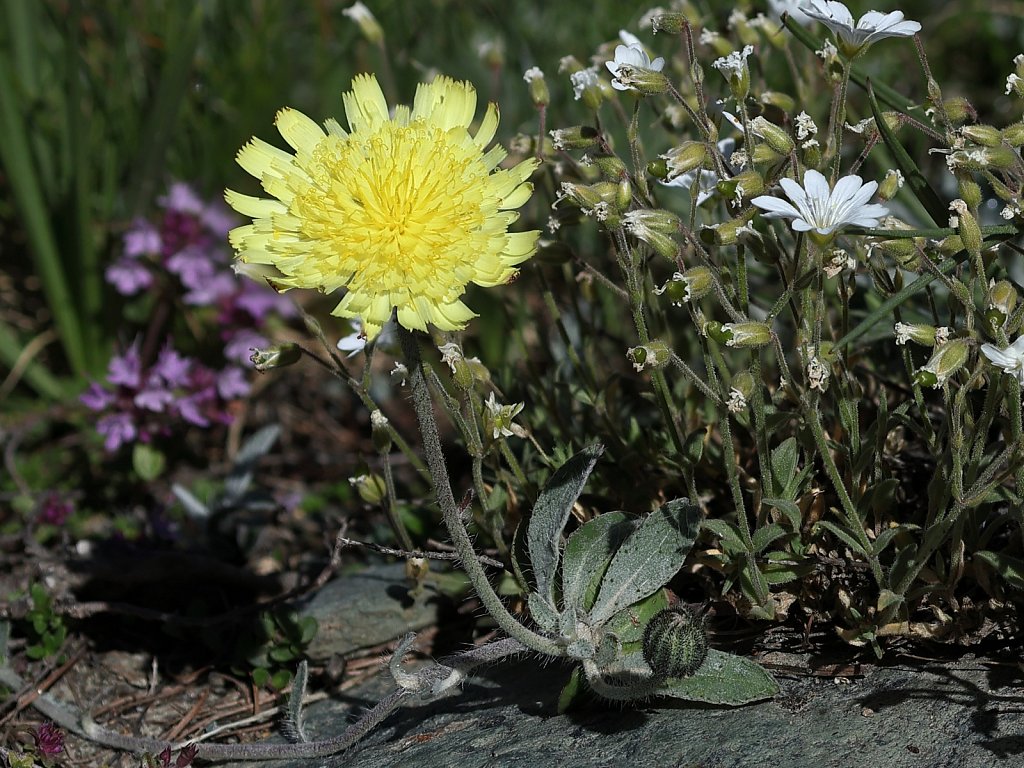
<point x="49" y="739"/>
<point x="189" y="243"/>
<point x="142" y="399"/>
<point x="145" y="403"/>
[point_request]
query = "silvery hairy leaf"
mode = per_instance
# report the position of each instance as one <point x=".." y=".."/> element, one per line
<point x="550" y="515"/>
<point x="723" y="679"/>
<point x="652" y="555"/>
<point x="588" y="552"/>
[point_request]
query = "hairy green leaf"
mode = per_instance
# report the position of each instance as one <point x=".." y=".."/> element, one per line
<point x="551" y="513"/>
<point x="652" y="555"/>
<point x="587" y="554"/>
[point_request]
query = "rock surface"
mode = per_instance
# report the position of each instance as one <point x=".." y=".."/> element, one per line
<point x="365" y="609"/>
<point x="961" y="715"/>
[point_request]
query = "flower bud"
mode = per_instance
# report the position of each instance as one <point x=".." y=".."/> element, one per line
<point x="983" y="158"/>
<point x="747" y="334"/>
<point x="985" y="135"/>
<point x="368" y="24"/>
<point x="691" y="285"/>
<point x="688" y="156"/>
<point x="890" y="185"/>
<point x="576" y="137"/>
<point x="670" y="23"/>
<point x="726" y="233"/>
<point x="675" y="643"/>
<point x="781" y="101"/>
<point x="762" y="154"/>
<point x="278" y="356"/>
<point x="539" y="93"/>
<point x="1003" y="297"/>
<point x="610" y="166"/>
<point x="380" y="432"/>
<point x="743" y="185"/>
<point x="774" y="136"/>
<point x="811" y="154"/>
<point x="654" y="354"/>
<point x="919" y="333"/>
<point x="1013" y="134"/>
<point x="370" y="488"/>
<point x="743" y="382"/>
<point x="945" y="361"/>
<point x="967" y="227"/>
<point x="970" y="192"/>
<point x="958" y="109"/>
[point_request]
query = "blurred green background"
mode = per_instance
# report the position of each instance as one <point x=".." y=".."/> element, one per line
<point x="103" y="103"/>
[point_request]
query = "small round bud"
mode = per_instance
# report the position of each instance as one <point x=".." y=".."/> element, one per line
<point x="890" y="185"/>
<point x="970" y="192"/>
<point x="675" y="643"/>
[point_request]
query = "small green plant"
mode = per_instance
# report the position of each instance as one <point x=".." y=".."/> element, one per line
<point x="47" y="630"/>
<point x="281" y="641"/>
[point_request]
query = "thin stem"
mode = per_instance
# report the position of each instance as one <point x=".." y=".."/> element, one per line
<point x="450" y="510"/>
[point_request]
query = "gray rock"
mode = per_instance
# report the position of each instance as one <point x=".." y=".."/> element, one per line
<point x="365" y="609"/>
<point x="963" y="715"/>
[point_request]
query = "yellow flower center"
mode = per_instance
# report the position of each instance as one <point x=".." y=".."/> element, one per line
<point x="396" y="208"/>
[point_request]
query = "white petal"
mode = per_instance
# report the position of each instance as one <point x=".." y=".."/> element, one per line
<point x="775" y="207"/>
<point x="815" y="184"/>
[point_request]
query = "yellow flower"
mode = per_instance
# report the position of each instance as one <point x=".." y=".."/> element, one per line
<point x="403" y="212"/>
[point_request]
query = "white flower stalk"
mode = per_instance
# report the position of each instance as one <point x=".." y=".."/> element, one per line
<point x="1010" y="359"/>
<point x="855" y="38"/>
<point x="822" y="211"/>
<point x="631" y="67"/>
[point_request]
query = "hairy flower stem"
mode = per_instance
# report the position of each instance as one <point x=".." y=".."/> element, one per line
<point x="732" y="475"/>
<point x="634" y="284"/>
<point x="849" y="511"/>
<point x="836" y="118"/>
<point x="449" y="509"/>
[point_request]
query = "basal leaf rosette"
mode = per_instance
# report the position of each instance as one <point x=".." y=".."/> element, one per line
<point x="402" y="211"/>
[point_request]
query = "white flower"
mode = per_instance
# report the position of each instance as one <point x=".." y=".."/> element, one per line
<point x="585" y="78"/>
<point x="355" y="342"/>
<point x="870" y="28"/>
<point x="793" y="7"/>
<point x="451" y="354"/>
<point x="628" y="58"/>
<point x="501" y="418"/>
<point x="533" y="73"/>
<point x="805" y="126"/>
<point x="817" y="209"/>
<point x="735" y="64"/>
<point x="817" y="374"/>
<point x="736" y="403"/>
<point x="400" y="374"/>
<point x="1011" y="359"/>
